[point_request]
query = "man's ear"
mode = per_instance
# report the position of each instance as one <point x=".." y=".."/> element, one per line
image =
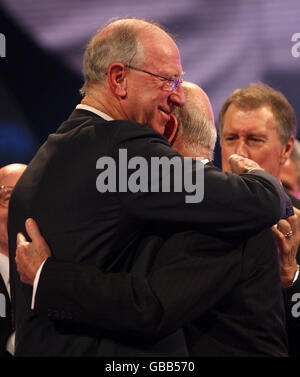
<point x="287" y="150"/>
<point x="171" y="129"/>
<point x="117" y="80"/>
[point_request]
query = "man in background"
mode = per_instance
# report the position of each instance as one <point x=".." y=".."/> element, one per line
<point x="259" y="123"/>
<point x="9" y="175"/>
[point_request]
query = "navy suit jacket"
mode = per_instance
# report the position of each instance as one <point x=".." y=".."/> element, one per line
<point x="292" y="299"/>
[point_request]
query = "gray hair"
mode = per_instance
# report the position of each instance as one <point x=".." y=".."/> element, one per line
<point x="117" y="41"/>
<point x="194" y="128"/>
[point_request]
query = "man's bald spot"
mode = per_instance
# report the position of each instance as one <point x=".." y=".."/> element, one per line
<point x="137" y="25"/>
<point x="12" y="169"/>
<point x="199" y="99"/>
<point x="147" y="32"/>
<point x="196" y="134"/>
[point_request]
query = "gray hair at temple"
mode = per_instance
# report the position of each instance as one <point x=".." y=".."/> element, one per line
<point x="196" y="128"/>
<point x="117" y="41"/>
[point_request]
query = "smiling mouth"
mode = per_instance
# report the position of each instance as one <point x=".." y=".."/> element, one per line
<point x="167" y="113"/>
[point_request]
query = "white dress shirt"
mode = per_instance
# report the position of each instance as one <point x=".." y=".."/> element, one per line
<point x="4" y="271"/>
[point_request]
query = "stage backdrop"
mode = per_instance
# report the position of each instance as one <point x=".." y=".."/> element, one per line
<point x="224" y="45"/>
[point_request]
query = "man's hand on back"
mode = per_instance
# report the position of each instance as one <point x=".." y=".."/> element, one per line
<point x="30" y="255"/>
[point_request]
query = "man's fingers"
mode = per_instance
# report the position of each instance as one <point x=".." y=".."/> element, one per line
<point x="33" y="230"/>
<point x="284" y="226"/>
<point x="240" y="164"/>
<point x="21" y="258"/>
<point x="21" y="239"/>
<point x="20" y="253"/>
<point x="279" y="237"/>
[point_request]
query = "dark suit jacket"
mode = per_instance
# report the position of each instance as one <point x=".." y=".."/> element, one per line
<point x="293" y="323"/>
<point x="58" y="189"/>
<point x="5" y="322"/>
<point x="224" y="293"/>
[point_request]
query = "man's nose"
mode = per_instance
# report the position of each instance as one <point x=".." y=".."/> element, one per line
<point x="241" y="149"/>
<point x="177" y="96"/>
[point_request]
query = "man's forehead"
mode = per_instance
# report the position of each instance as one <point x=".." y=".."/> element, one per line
<point x="249" y="129"/>
<point x="159" y="48"/>
<point x="261" y="116"/>
<point x="244" y="109"/>
<point x="164" y="66"/>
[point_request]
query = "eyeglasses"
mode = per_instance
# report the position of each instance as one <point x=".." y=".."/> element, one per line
<point x="5" y="193"/>
<point x="170" y="84"/>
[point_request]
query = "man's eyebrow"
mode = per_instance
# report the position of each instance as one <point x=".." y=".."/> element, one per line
<point x="258" y="135"/>
<point x="175" y="75"/>
<point x="229" y="133"/>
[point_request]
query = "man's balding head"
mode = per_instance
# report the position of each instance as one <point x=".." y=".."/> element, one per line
<point x="9" y="176"/>
<point x="11" y="173"/>
<point x="199" y="100"/>
<point x="196" y="129"/>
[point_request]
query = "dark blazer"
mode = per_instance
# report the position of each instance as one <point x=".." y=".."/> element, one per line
<point x="290" y="294"/>
<point x="5" y="322"/>
<point x="225" y="294"/>
<point x="249" y="320"/>
<point x="58" y="189"/>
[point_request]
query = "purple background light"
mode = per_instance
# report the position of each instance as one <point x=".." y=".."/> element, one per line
<point x="224" y="44"/>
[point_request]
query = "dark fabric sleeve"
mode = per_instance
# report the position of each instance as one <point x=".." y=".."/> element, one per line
<point x="231" y="203"/>
<point x="191" y="273"/>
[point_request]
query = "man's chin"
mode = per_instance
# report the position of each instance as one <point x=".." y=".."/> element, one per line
<point x="160" y="128"/>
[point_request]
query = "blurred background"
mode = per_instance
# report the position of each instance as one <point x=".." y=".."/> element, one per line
<point x="224" y="45"/>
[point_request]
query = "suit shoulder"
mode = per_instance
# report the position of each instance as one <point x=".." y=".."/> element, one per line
<point x="129" y="129"/>
<point x="92" y="125"/>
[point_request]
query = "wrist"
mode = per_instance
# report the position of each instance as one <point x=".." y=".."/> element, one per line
<point x="289" y="275"/>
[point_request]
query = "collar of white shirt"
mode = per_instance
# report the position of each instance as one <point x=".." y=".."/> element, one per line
<point x="81" y="106"/>
<point x="4" y="270"/>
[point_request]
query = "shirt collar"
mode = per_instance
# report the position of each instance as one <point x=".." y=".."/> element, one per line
<point x="81" y="106"/>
